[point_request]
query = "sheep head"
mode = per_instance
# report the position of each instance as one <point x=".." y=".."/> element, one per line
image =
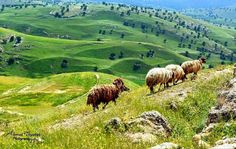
<point x="120" y="85"/>
<point x="202" y="60"/>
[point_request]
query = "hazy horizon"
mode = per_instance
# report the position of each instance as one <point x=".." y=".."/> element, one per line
<point x="174" y="4"/>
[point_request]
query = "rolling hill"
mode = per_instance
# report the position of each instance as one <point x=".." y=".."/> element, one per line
<point x="52" y="55"/>
<point x="115" y="39"/>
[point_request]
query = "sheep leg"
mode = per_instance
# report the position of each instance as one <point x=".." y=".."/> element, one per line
<point x="184" y="78"/>
<point x="105" y="105"/>
<point x="94" y="108"/>
<point x="175" y="82"/>
<point x="151" y="90"/>
<point x="167" y="85"/>
<point x="114" y="102"/>
<point x="194" y="76"/>
<point x="160" y="87"/>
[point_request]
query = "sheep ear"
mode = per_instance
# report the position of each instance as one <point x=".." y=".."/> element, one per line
<point x="115" y="82"/>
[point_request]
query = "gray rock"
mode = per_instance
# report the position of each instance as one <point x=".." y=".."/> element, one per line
<point x="146" y="127"/>
<point x="226" y="141"/>
<point x="225" y="146"/>
<point x="226" y="108"/>
<point x="157" y="119"/>
<point x="151" y="122"/>
<point x="166" y="145"/>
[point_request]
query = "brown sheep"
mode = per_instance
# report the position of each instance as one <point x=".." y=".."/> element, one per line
<point x="160" y="76"/>
<point x="178" y="72"/>
<point x="105" y="93"/>
<point x="193" y="66"/>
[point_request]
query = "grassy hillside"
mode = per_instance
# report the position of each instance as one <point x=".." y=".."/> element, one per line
<point x="50" y="57"/>
<point x="224" y="16"/>
<point x="46" y="55"/>
<point x="32" y="106"/>
<point x="115" y="39"/>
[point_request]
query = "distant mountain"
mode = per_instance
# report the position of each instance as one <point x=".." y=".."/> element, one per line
<point x="174" y="4"/>
<point x="219" y="16"/>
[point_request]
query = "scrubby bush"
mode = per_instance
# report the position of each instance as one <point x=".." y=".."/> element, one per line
<point x="64" y="64"/>
<point x="112" y="56"/>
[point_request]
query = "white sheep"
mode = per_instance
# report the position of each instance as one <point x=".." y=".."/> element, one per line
<point x="178" y="72"/>
<point x="157" y="76"/>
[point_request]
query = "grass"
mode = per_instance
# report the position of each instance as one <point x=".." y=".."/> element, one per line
<point x="36" y="92"/>
<point x="188" y="120"/>
<point x="40" y="30"/>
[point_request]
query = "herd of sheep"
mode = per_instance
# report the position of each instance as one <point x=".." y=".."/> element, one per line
<point x="172" y="73"/>
<point x="163" y="76"/>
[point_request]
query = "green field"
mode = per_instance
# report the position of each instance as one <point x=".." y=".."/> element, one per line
<point x="38" y="105"/>
<point x="83" y="52"/>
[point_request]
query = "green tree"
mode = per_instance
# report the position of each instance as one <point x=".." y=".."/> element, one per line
<point x="165" y="40"/>
<point x="226" y="44"/>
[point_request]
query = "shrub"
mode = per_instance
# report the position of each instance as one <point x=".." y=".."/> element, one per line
<point x="112" y="56"/>
<point x="64" y="64"/>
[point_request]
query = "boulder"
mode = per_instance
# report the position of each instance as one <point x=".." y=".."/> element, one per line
<point x="225" y="146"/>
<point x="150" y="122"/>
<point x="226" y="141"/>
<point x="167" y="145"/>
<point x="226" y="108"/>
<point x="145" y="127"/>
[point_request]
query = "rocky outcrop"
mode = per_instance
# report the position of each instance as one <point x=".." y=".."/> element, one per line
<point x="151" y="122"/>
<point x="167" y="145"/>
<point x="228" y="143"/>
<point x="224" y="111"/>
<point x="225" y="146"/>
<point x="145" y="127"/>
<point x="226" y="108"/>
